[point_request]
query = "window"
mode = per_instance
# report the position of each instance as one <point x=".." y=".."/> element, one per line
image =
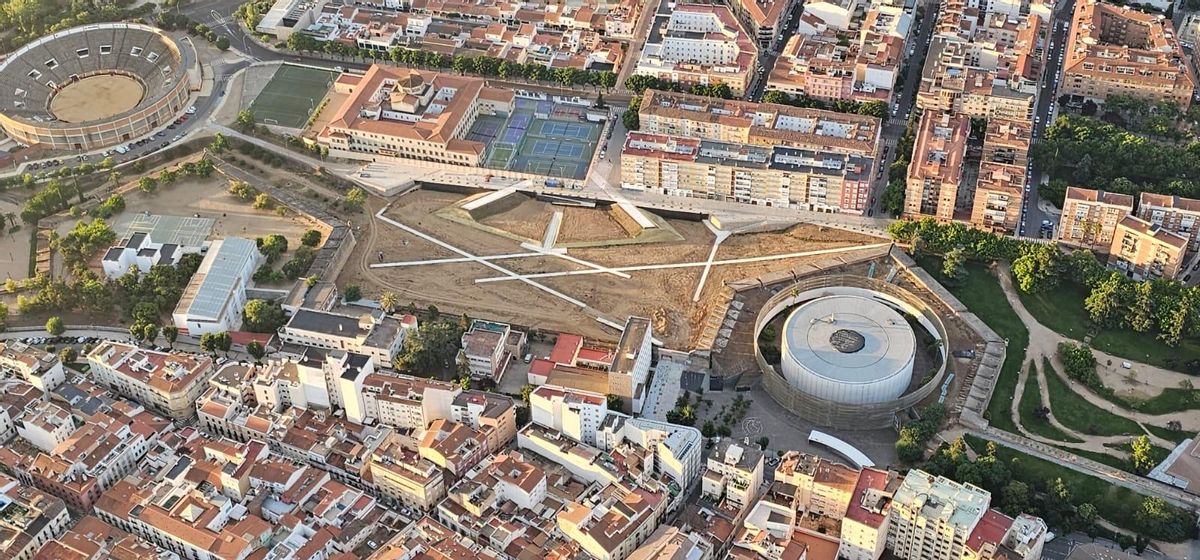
<point x="105" y="49"/>
<point x="82" y="53"/>
<point x="35" y="74"/>
<point x="152" y="56"/>
<point x="52" y="64"/>
<point x="135" y="51"/>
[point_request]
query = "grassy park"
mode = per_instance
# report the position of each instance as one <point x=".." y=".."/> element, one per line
<point x="980" y="291"/>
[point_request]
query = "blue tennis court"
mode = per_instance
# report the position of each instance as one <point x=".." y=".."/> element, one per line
<point x="512" y="135"/>
<point x="542" y="148"/>
<point x="520" y="121"/>
<point x="559" y="129"/>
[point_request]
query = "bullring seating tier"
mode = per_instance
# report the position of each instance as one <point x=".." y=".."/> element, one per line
<point x="26" y="78"/>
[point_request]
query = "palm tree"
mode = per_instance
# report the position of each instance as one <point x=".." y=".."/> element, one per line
<point x="389" y="301"/>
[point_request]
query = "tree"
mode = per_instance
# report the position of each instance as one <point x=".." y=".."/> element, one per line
<point x="433" y="347"/>
<point x="1015" y="498"/>
<point x="526" y="390"/>
<point x="170" y="333"/>
<point x="355" y="199"/>
<point x="1141" y="454"/>
<point x="1158" y="519"/>
<point x="263" y="202"/>
<point x="214" y="341"/>
<point x="630" y="118"/>
<point x="242" y="190"/>
<point x="263" y="316"/>
<point x="68" y="355"/>
<point x="1086" y="513"/>
<point x="388" y="301"/>
<point x="256" y="350"/>
<point x="1079" y="363"/>
<point x="150" y="332"/>
<point x="954" y="264"/>
<point x="272" y="246"/>
<point x="615" y="402"/>
<point x="351" y="293"/>
<point x="245" y="120"/>
<point x="311" y="238"/>
<point x="1107" y="302"/>
<point x="1037" y="269"/>
<point x="708" y="429"/>
<point x="54" y="326"/>
<point x="219" y="143"/>
<point x="148" y="184"/>
<point x="764" y="442"/>
<point x="222" y="43"/>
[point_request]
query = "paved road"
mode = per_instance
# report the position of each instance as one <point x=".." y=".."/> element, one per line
<point x="904" y="99"/>
<point x="1033" y="213"/>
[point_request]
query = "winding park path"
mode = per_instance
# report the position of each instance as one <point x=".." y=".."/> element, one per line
<point x="1043" y="346"/>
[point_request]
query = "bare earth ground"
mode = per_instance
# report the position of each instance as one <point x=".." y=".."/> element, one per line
<point x="96" y="97"/>
<point x="209" y="198"/>
<point x="665" y="295"/>
<point x="528" y="219"/>
<point x="14" y="247"/>
<point x="588" y="224"/>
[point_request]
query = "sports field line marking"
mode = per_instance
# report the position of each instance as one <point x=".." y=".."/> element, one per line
<point x="452" y="260"/>
<point x="637" y="268"/>
<point x="488" y="264"/>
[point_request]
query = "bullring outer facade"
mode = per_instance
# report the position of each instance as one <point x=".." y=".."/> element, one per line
<point x="34" y="75"/>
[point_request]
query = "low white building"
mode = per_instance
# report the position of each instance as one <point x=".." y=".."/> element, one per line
<point x="216" y="295"/>
<point x="489" y="347"/>
<point x="152" y="239"/>
<point x="373" y="334"/>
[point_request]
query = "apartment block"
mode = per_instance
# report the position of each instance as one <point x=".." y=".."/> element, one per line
<point x="29" y="518"/>
<point x="93" y="539"/>
<point x="1172" y="213"/>
<point x="769" y="176"/>
<point x="1115" y="50"/>
<point x="374" y="334"/>
<point x="935" y="174"/>
<point x="931" y="518"/>
<point x="623" y="371"/>
<point x="167" y="382"/>
<point x="673" y="543"/>
<point x="761" y="124"/>
<point x="615" y="526"/>
<point x="865" y="525"/>
<point x="36" y="366"/>
<point x="403" y="477"/>
<point x="996" y="202"/>
<point x="577" y="414"/>
<point x="1089" y="217"/>
<point x="1144" y="251"/>
<point x="733" y="475"/>
<point x="699" y="44"/>
<point x="93" y="458"/>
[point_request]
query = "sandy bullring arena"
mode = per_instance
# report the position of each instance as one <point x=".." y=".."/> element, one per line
<point x="96" y="97"/>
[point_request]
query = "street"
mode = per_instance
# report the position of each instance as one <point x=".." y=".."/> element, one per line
<point x="1032" y="215"/>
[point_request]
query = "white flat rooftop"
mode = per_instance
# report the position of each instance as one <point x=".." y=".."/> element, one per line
<point x="849" y="339"/>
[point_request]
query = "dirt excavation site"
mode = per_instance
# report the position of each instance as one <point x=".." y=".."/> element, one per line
<point x="409" y="249"/>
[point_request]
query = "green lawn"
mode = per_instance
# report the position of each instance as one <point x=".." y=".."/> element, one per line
<point x="1078" y="414"/>
<point x="981" y="293"/>
<point x="1061" y="310"/>
<point x="1115" y="503"/>
<point x="1169" y="435"/>
<point x="1031" y="400"/>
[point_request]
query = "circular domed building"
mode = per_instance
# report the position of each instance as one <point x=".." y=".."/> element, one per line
<point x="848" y="349"/>
<point x="849" y="346"/>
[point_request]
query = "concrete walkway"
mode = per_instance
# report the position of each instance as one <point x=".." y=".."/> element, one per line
<point x="1043" y="343"/>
